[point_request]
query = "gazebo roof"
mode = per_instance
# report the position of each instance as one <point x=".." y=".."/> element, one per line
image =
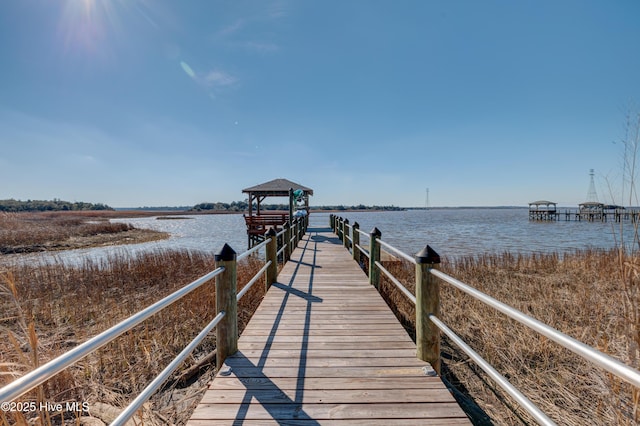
<point x="541" y="202"/>
<point x="277" y="187"/>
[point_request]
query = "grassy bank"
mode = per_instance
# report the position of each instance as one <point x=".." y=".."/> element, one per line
<point x="581" y="294"/>
<point x="48" y="310"/>
<point x="34" y="232"/>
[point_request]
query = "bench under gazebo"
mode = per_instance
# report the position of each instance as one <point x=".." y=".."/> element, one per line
<point x="258" y="222"/>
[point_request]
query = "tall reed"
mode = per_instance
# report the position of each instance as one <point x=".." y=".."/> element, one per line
<point x="49" y="309"/>
<point x="576" y="293"/>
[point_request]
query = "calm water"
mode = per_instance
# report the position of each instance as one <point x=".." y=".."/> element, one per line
<point x="456" y="232"/>
<point x="451" y="232"/>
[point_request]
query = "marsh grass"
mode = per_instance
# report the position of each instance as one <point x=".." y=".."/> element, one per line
<point x="50" y="309"/>
<point x="27" y="232"/>
<point x="578" y="293"/>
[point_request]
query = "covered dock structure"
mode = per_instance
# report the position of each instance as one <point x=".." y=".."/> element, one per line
<point x="258" y="221"/>
<point x="543" y="210"/>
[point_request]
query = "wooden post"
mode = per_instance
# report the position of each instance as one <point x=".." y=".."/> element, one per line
<point x="287" y="242"/>
<point x="345" y="231"/>
<point x="427" y="303"/>
<point x="290" y="206"/>
<point x="226" y="287"/>
<point x="374" y="256"/>
<point x="332" y="222"/>
<point x="339" y="227"/>
<point x="271" y="253"/>
<point x="355" y="237"/>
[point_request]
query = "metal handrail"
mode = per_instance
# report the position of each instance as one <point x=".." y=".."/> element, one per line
<point x="363" y="250"/>
<point x="38" y="376"/>
<point x="253" y="249"/>
<point x="361" y="232"/>
<point x="529" y="406"/>
<point x="252" y="281"/>
<point x="396" y="251"/>
<point x="281" y="251"/>
<point x="397" y="283"/>
<point x="137" y="403"/>
<point x="603" y="360"/>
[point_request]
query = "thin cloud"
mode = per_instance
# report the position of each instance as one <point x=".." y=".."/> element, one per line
<point x="232" y="28"/>
<point x="235" y="35"/>
<point x="261" y="47"/>
<point x="213" y="79"/>
<point x="217" y="78"/>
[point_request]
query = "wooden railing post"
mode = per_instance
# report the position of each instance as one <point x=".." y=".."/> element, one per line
<point x="290" y="206"/>
<point x="345" y="231"/>
<point x="427" y="303"/>
<point x="339" y="227"/>
<point x="271" y="253"/>
<point x="332" y="222"/>
<point x="355" y="239"/>
<point x="374" y="256"/>
<point x="226" y="287"/>
<point x="287" y="242"/>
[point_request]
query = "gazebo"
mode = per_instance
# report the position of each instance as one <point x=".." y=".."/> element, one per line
<point x="591" y="210"/>
<point x="259" y="222"/>
<point x="543" y="210"/>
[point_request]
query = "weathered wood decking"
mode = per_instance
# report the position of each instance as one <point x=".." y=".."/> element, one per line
<point x="324" y="348"/>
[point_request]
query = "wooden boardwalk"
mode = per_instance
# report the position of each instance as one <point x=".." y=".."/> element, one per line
<point x="324" y="348"/>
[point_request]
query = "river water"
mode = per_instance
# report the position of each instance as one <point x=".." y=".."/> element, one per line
<point x="451" y="232"/>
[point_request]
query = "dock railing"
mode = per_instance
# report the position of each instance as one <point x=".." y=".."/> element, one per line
<point x="429" y="325"/>
<point x="225" y="322"/>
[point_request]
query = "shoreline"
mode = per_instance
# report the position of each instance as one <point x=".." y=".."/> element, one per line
<point x="132" y="236"/>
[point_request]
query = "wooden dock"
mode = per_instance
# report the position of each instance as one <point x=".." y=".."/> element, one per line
<point x="324" y="348"/>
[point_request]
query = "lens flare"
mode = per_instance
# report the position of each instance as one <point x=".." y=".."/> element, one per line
<point x="187" y="69"/>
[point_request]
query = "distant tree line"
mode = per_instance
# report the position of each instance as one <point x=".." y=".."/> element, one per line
<point x="53" y="205"/>
<point x="240" y="206"/>
<point x="234" y="206"/>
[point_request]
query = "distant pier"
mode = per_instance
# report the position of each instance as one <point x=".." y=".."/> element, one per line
<point x="588" y="212"/>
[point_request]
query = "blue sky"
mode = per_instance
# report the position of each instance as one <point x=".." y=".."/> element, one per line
<point x="134" y="103"/>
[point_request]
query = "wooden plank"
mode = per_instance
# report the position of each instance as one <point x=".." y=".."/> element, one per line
<point x="325" y="383"/>
<point x="335" y="346"/>
<point x="381" y="340"/>
<point x="323" y="353"/>
<point x="335" y="422"/>
<point x="333" y="396"/>
<point x="296" y="411"/>
<point x="252" y="371"/>
<point x="271" y="361"/>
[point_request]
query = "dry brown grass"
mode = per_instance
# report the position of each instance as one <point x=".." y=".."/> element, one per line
<point x="29" y="232"/>
<point x="581" y="294"/>
<point x="47" y="310"/>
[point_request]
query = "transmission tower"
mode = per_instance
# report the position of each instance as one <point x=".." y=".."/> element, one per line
<point x="592" y="196"/>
